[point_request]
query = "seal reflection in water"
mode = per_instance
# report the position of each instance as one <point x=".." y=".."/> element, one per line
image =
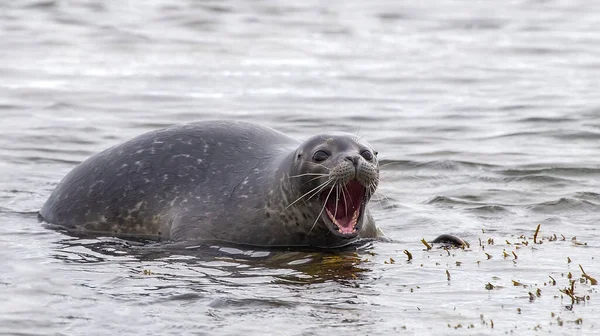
<point x="223" y="181"/>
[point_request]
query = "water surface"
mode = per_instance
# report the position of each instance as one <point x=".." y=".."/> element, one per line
<point x="487" y="117"/>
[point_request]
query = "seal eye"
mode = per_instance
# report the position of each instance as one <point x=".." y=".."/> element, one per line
<point x="367" y="155"/>
<point x="320" y="156"/>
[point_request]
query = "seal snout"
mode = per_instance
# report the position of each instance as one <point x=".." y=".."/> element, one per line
<point x="354" y="159"/>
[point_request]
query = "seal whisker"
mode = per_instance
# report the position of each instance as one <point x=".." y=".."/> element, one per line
<point x="378" y="202"/>
<point x="314" y="192"/>
<point x="389" y="164"/>
<point x="373" y="185"/>
<point x="385" y="198"/>
<point x="319" y="187"/>
<point x="337" y="198"/>
<point x="348" y="191"/>
<point x="318" y="191"/>
<point x="371" y="189"/>
<point x="344" y="194"/>
<point x="308" y="174"/>
<point x="312" y="179"/>
<point x="356" y="137"/>
<point x="318" y="164"/>
<point x="320" y="213"/>
<point x="380" y="197"/>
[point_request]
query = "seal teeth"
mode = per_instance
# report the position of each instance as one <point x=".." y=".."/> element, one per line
<point x="344" y="228"/>
<point x="354" y="218"/>
<point x="344" y="210"/>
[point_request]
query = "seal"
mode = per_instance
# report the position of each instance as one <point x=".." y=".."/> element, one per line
<point x="223" y="181"/>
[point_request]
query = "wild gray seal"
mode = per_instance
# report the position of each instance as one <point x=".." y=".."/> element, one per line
<point x="223" y="181"/>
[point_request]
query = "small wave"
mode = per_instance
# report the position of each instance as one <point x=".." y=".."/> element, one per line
<point x="387" y="16"/>
<point x="41" y="160"/>
<point x="512" y="135"/>
<point x="366" y="118"/>
<point x="560" y="135"/>
<point x="5" y="106"/>
<point x="42" y="150"/>
<point x="186" y="297"/>
<point x="61" y="106"/>
<point x="27" y="214"/>
<point x="391" y="164"/>
<point x="587" y="195"/>
<point x="538" y="51"/>
<point x="550" y="171"/>
<point x="445" y="165"/>
<point x="479" y="208"/>
<point x="489" y="210"/>
<point x="250" y="303"/>
<point x="51" y="136"/>
<point x="515" y="107"/>
<point x="471" y="24"/>
<point x="537" y="178"/>
<point x="149" y="125"/>
<point x="564" y="204"/>
<point x="196" y="23"/>
<point x="536" y="120"/>
<point x="44" y="4"/>
<point x="578" y="135"/>
<point x="444" y="200"/>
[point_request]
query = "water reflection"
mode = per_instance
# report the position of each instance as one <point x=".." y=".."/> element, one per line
<point x="298" y="266"/>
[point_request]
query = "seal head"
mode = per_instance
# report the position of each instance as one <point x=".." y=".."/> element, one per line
<point x="338" y="174"/>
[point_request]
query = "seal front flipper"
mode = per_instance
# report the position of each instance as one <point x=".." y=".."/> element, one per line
<point x="447" y="240"/>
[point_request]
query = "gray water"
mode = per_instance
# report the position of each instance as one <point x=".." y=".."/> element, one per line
<point x="486" y="114"/>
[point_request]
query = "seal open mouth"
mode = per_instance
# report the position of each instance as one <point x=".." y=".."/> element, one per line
<point x="345" y="209"/>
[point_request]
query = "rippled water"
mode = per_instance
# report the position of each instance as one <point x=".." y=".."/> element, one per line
<point x="487" y="116"/>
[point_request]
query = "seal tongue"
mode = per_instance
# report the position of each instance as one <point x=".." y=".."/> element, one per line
<point x="344" y="209"/>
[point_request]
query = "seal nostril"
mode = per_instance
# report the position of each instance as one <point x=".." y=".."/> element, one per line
<point x="353" y="159"/>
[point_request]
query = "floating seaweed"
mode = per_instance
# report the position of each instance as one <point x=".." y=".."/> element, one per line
<point x="408" y="254"/>
<point x="537" y="230"/>
<point x="593" y="281"/>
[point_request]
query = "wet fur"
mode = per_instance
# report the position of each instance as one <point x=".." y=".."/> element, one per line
<point x="212" y="181"/>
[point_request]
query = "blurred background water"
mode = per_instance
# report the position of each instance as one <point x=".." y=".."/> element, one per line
<point x="487" y="116"/>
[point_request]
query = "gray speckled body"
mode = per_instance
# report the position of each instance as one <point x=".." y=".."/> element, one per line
<point x="208" y="181"/>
